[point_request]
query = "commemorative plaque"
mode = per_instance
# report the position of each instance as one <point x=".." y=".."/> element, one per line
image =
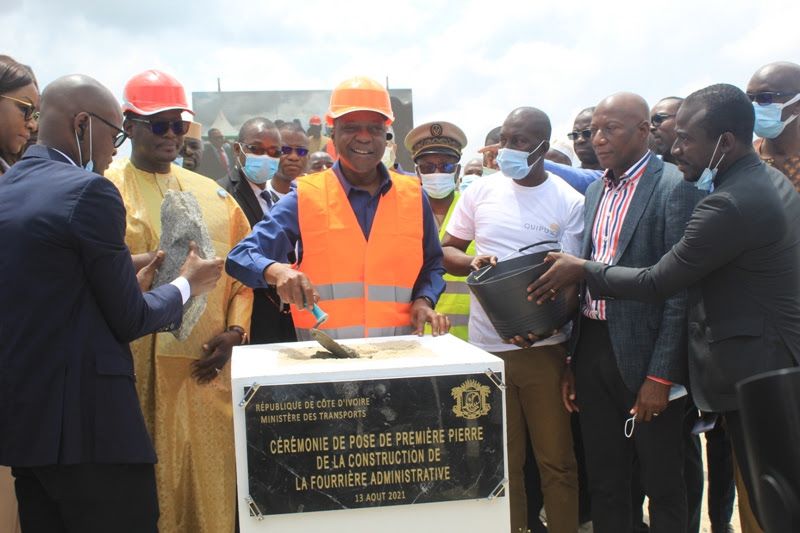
<point x="409" y="435"/>
<point x="324" y="446"/>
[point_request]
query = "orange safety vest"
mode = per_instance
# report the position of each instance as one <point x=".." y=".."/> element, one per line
<point x="364" y="285"/>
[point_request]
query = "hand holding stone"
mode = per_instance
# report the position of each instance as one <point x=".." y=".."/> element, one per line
<point x="202" y="274"/>
<point x="147" y="273"/>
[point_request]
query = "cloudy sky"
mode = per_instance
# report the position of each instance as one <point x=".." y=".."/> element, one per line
<point x="469" y="62"/>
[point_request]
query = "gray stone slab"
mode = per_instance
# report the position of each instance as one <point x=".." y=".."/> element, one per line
<point x="182" y="222"/>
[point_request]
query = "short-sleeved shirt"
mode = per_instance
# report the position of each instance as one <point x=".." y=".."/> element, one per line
<point x="502" y="216"/>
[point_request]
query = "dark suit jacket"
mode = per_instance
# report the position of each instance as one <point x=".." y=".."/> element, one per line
<point x="269" y="323"/>
<point x="71" y="305"/>
<point x="212" y="165"/>
<point x="740" y="254"/>
<point x="648" y="338"/>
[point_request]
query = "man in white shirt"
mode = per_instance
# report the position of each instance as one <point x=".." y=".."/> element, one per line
<point x="523" y="205"/>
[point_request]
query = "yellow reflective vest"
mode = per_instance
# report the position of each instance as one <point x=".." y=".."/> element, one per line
<point x="454" y="302"/>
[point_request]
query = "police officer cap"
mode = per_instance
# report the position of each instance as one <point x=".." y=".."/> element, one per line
<point x="435" y="138"/>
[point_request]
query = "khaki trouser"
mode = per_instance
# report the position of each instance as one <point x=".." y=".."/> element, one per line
<point x="746" y="517"/>
<point x="533" y="404"/>
<point x="9" y="519"/>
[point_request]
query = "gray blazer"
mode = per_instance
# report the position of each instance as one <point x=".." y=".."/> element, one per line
<point x="648" y="338"/>
<point x="740" y="255"/>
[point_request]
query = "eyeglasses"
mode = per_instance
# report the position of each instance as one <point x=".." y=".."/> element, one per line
<point x="27" y="108"/>
<point x="431" y="168"/>
<point x="119" y="138"/>
<point x="300" y="151"/>
<point x="272" y="151"/>
<point x="573" y="135"/>
<point x="160" y="127"/>
<point x="658" y="118"/>
<point x="766" y="98"/>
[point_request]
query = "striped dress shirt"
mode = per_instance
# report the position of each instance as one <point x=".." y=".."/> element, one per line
<point x="608" y="222"/>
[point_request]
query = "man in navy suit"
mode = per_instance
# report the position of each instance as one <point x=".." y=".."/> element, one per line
<point x="70" y="423"/>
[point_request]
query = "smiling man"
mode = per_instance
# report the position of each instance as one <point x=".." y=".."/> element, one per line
<point x="366" y="236"/>
<point x="184" y="386"/>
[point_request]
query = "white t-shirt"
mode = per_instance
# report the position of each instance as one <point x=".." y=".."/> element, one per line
<point x="502" y="216"/>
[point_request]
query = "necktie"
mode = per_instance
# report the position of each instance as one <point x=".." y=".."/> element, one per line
<point x="267" y="198"/>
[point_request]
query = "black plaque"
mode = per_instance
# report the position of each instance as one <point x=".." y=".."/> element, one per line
<point x="340" y="445"/>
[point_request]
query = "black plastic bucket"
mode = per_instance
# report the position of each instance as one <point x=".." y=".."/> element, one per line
<point x="502" y="292"/>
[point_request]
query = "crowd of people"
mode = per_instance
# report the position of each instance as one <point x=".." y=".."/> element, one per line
<point x="679" y="236"/>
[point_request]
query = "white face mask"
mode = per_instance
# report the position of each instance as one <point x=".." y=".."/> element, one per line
<point x="438" y="185"/>
<point x="388" y="156"/>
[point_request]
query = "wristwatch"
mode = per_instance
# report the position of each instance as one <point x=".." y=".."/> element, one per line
<point x="430" y="302"/>
<point x="240" y="330"/>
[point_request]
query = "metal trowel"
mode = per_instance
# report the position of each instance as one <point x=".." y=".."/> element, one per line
<point x="336" y="349"/>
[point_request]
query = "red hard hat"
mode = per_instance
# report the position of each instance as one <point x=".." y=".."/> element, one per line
<point x="315" y="121"/>
<point x="152" y="92"/>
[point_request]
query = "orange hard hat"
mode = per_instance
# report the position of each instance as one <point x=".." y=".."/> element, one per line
<point x="360" y="94"/>
<point x="153" y="91"/>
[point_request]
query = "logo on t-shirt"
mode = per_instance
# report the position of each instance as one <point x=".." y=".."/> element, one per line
<point x="551" y="230"/>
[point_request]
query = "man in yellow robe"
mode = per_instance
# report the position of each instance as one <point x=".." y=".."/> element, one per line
<point x="184" y="387"/>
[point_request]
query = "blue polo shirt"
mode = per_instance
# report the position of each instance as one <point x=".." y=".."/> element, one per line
<point x="277" y="238"/>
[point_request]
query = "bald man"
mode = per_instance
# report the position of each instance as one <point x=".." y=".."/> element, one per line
<point x="70" y="420"/>
<point x="472" y="171"/>
<point x="319" y="161"/>
<point x="522" y="205"/>
<point x="775" y="92"/>
<point x="625" y="355"/>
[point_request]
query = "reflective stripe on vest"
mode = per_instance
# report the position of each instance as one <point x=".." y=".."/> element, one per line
<point x="333" y="291"/>
<point x="365" y="285"/>
<point x="456" y="286"/>
<point x="354" y="332"/>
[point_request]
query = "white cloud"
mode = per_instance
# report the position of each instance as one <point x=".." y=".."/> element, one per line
<point x="469" y="62"/>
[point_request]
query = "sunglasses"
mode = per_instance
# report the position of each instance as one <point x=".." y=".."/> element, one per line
<point x="300" y="151"/>
<point x="27" y="108"/>
<point x="161" y="127"/>
<point x="272" y="151"/>
<point x="573" y="135"/>
<point x="431" y="168"/>
<point x="119" y="138"/>
<point x="767" y="98"/>
<point x="658" y="118"/>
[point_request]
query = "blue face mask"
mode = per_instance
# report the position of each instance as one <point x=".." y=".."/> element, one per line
<point x="466" y="181"/>
<point x="260" y="168"/>
<point x="514" y="163"/>
<point x="706" y="181"/>
<point x="768" y="118"/>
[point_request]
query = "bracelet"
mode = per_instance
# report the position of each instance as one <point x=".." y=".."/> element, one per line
<point x="240" y="330"/>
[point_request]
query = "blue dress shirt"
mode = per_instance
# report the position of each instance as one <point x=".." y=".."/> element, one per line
<point x="578" y="178"/>
<point x="277" y="238"/>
